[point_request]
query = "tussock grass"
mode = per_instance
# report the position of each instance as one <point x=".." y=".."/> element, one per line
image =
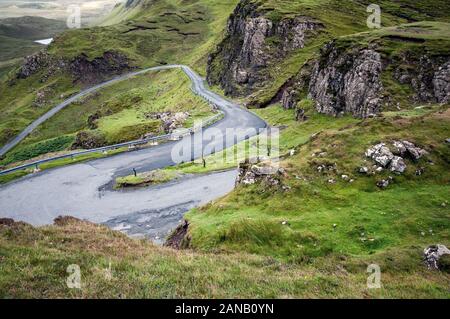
<point x="34" y="263"/>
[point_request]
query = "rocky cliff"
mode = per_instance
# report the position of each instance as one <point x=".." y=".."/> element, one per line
<point x="363" y="79"/>
<point x="81" y="68"/>
<point x="347" y="82"/>
<point x="427" y="75"/>
<point x="253" y="43"/>
<point x="360" y="74"/>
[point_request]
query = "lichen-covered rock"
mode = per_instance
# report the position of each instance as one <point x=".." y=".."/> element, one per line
<point x="252" y="171"/>
<point x="441" y="83"/>
<point x="381" y="154"/>
<point x="252" y="43"/>
<point x="347" y="82"/>
<point x="399" y="148"/>
<point x="406" y="148"/>
<point x="397" y="165"/>
<point x="432" y="255"/>
<point x="429" y="77"/>
<point x="80" y="68"/>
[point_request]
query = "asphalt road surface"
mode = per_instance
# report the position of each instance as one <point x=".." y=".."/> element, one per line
<point x="83" y="190"/>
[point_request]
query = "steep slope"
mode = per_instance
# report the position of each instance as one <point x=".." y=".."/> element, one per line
<point x="159" y="32"/>
<point x="387" y="69"/>
<point x="330" y="198"/>
<point x="17" y="37"/>
<point x="268" y="44"/>
<point x="115" y="266"/>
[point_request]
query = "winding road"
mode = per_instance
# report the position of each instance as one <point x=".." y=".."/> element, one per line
<point x="83" y="190"/>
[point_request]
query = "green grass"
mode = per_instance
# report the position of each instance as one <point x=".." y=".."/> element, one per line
<point x="34" y="150"/>
<point x="13" y="176"/>
<point x="121" y="111"/>
<point x="17" y="35"/>
<point x="17" y="102"/>
<point x="171" y="32"/>
<point x="11" y="48"/>
<point x="140" y="270"/>
<point x="368" y="220"/>
<point x="145" y="179"/>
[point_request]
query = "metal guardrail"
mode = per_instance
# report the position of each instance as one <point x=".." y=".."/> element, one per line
<point x="172" y="136"/>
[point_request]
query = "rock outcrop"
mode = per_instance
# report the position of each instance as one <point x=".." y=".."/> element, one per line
<point x="252" y="171"/>
<point x="394" y="160"/>
<point x="347" y="82"/>
<point x="406" y="148"/>
<point x="347" y="78"/>
<point x="80" y="68"/>
<point x="89" y="140"/>
<point x="35" y="63"/>
<point x="170" y="121"/>
<point x="428" y="76"/>
<point x="179" y="239"/>
<point x="381" y="154"/>
<point x="295" y="88"/>
<point x="289" y="99"/>
<point x="89" y="71"/>
<point x="398" y="165"/>
<point x="252" y="43"/>
<point x="433" y="254"/>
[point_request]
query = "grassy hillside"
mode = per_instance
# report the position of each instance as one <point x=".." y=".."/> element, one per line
<point x="12" y="48"/>
<point x="34" y="263"/>
<point x="161" y="33"/>
<point x="153" y="32"/>
<point x="17" y="36"/>
<point x="31" y="28"/>
<point x="250" y="218"/>
<point x="339" y="18"/>
<point x="119" y="113"/>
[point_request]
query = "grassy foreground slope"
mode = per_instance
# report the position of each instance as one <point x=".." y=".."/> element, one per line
<point x="35" y="260"/>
